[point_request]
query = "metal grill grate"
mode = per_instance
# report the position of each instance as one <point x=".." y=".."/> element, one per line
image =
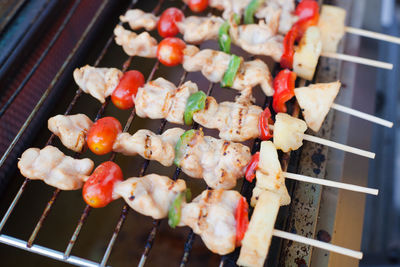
<point x="66" y="255"/>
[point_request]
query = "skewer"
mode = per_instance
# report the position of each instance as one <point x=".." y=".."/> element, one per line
<point x="373" y="35"/>
<point x="324" y="182"/>
<point x="336" y="145"/>
<point x="318" y="244"/>
<point x="358" y="60"/>
<point x="362" y="115"/>
<point x="346" y="148"/>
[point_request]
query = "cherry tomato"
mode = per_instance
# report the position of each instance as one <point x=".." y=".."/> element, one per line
<point x="102" y="135"/>
<point x="198" y="5"/>
<point x="170" y="51"/>
<point x="122" y="97"/>
<point x="98" y="189"/>
<point x="167" y="23"/>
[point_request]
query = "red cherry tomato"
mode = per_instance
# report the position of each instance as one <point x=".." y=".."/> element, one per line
<point x="167" y="23"/>
<point x="127" y="87"/>
<point x="102" y="135"/>
<point x="198" y="5"/>
<point x="98" y="189"/>
<point x="170" y="51"/>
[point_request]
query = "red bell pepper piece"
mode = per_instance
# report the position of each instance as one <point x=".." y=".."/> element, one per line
<point x="242" y="220"/>
<point x="252" y="167"/>
<point x="263" y="125"/>
<point x="284" y="89"/>
<point x="308" y="13"/>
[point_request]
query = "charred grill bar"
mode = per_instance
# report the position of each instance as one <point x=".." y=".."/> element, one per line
<point x="66" y="255"/>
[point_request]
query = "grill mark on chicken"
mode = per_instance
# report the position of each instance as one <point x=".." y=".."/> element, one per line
<point x="147" y="147"/>
<point x="239" y="128"/>
<point x="225" y="147"/>
<point x="207" y="104"/>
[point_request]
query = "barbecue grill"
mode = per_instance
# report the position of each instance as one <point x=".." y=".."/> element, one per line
<point x="58" y="225"/>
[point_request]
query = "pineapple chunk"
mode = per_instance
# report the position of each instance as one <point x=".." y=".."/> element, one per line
<point x="315" y="102"/>
<point x="288" y="132"/>
<point x="269" y="174"/>
<point x="332" y="27"/>
<point x="282" y="192"/>
<point x="256" y="241"/>
<point x="306" y="56"/>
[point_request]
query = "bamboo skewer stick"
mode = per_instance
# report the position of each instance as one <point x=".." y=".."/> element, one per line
<point x="318" y="244"/>
<point x="324" y="182"/>
<point x="362" y="115"/>
<point x="339" y="146"/>
<point x="373" y="35"/>
<point x="359" y="60"/>
<point x="336" y="145"/>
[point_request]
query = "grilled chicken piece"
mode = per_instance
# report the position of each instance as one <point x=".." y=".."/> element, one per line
<point x="196" y="30"/>
<point x="150" y="195"/>
<point x="98" y="82"/>
<point x="54" y="168"/>
<point x="236" y="121"/>
<point x="219" y="162"/>
<point x="71" y="129"/>
<point x="253" y="73"/>
<point x="332" y="27"/>
<point x="306" y="55"/>
<point x="257" y="239"/>
<point x="138" y="19"/>
<point x="315" y="102"/>
<point x="212" y="216"/>
<point x="142" y="45"/>
<point x="229" y="6"/>
<point x="149" y="145"/>
<point x="288" y="132"/>
<point x="213" y="65"/>
<point x="269" y="175"/>
<point x="258" y="39"/>
<point x="160" y="98"/>
<point x="284" y="9"/>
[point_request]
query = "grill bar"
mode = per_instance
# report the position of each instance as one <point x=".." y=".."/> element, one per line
<point x="42" y="57"/>
<point x="51" y="253"/>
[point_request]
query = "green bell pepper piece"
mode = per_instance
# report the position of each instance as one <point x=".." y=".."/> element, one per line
<point x="250" y="10"/>
<point x="224" y="40"/>
<point x="196" y="102"/>
<point x="233" y="66"/>
<point x="175" y="211"/>
<point x="182" y="145"/>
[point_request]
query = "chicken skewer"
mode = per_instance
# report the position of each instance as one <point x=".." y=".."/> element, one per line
<point x="164" y="109"/>
<point x="220" y="163"/>
<point x="259" y="39"/>
<point x="161" y="148"/>
<point x="229" y="118"/>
